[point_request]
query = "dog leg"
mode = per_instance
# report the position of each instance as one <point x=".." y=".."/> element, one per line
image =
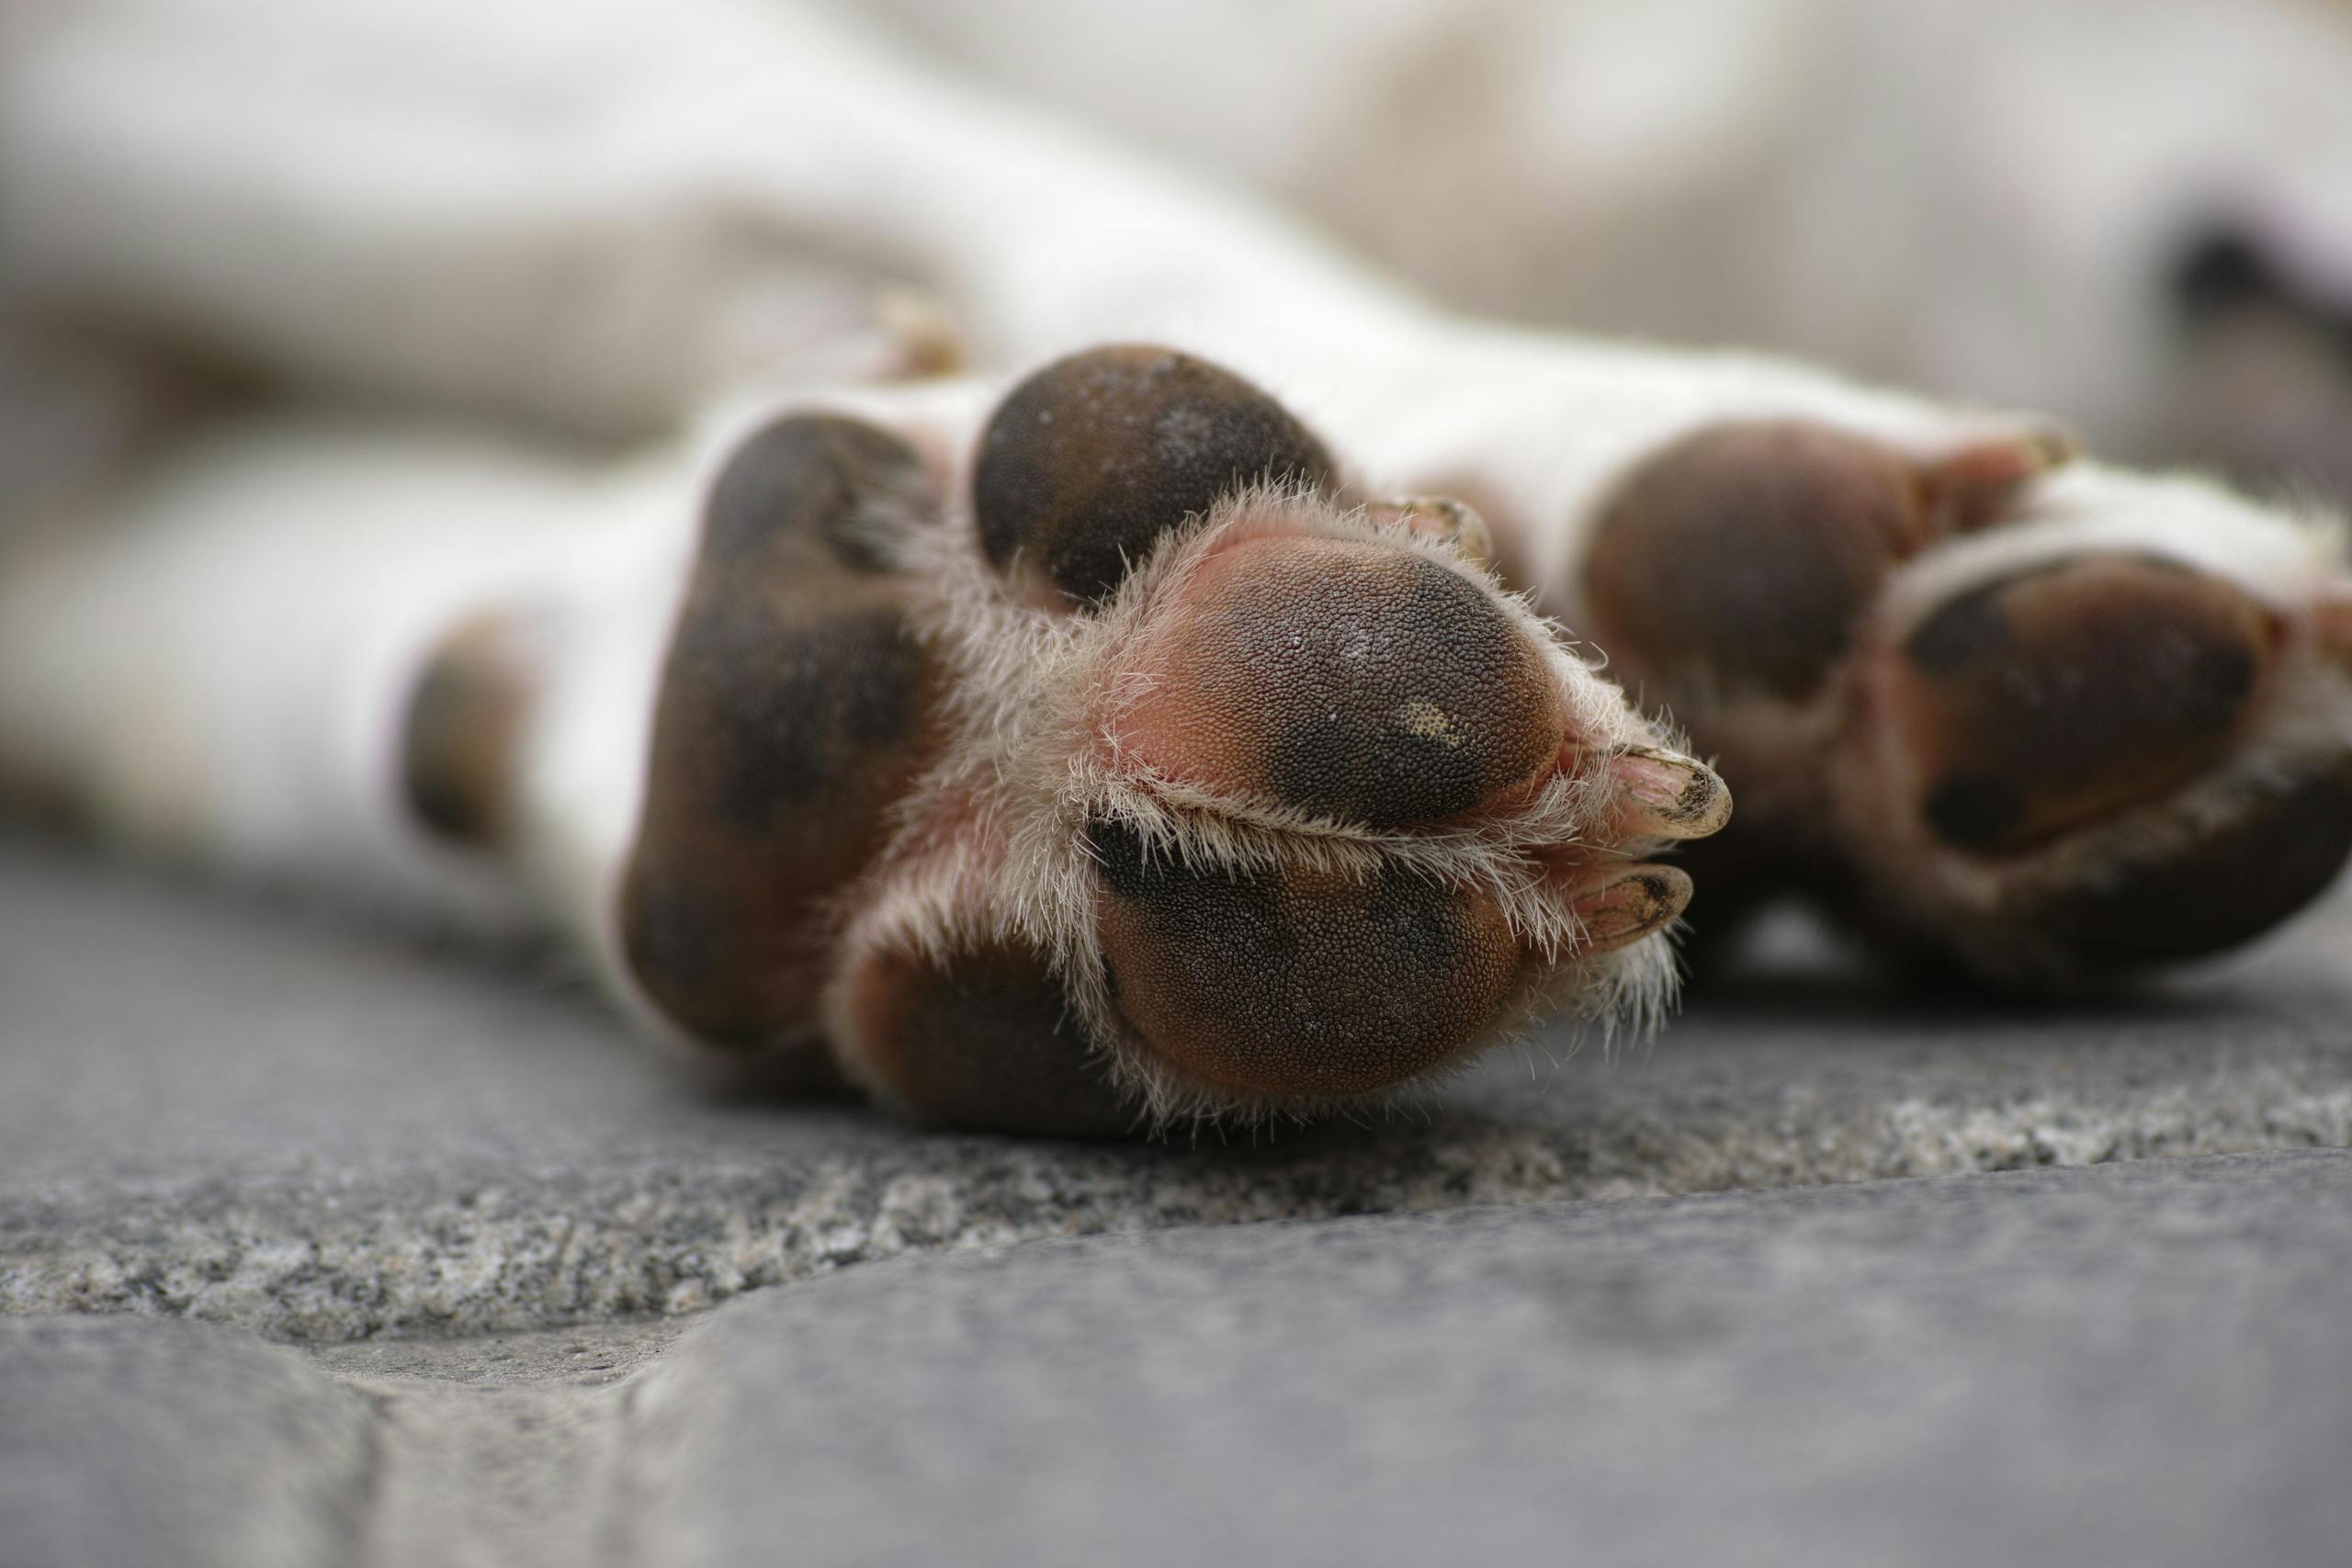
<point x="303" y="650"/>
<point x="1102" y="709"/>
<point x="593" y="214"/>
<point x="1576" y="453"/>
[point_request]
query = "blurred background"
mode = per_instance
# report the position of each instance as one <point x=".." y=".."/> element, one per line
<point x="2134" y="214"/>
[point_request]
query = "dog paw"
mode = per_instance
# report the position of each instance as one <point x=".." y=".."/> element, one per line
<point x="1099" y="758"/>
<point x="2050" y="721"/>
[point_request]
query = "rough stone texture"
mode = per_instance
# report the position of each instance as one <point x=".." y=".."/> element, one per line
<point x="131" y="1442"/>
<point x="506" y="1450"/>
<point x="2146" y="1365"/>
<point x="235" y="1111"/>
<point x="2141" y="1364"/>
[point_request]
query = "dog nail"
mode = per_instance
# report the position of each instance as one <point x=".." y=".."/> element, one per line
<point x="1671" y="796"/>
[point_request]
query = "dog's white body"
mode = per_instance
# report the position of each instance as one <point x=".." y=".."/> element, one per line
<point x="1981" y="199"/>
<point x="746" y="162"/>
<point x="579" y="214"/>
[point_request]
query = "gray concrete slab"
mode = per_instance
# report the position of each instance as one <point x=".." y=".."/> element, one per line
<point x="2145" y="1363"/>
<point x="125" y="1441"/>
<point x="2138" y="1364"/>
<point x="239" y="1111"/>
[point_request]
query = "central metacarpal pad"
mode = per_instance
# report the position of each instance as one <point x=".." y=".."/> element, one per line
<point x="1293" y="982"/>
<point x="1356" y="682"/>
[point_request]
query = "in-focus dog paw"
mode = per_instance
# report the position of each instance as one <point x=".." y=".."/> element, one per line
<point x="1104" y="760"/>
<point x="2049" y="721"/>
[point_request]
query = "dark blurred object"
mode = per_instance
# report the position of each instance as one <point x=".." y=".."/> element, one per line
<point x="2265" y="382"/>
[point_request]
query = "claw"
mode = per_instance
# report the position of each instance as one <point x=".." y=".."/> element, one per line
<point x="922" y="329"/>
<point x="1632" y="902"/>
<point x="1669" y="795"/>
<point x="1440" y="517"/>
<point x="1970" y="487"/>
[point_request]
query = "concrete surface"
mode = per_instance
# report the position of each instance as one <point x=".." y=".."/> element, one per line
<point x="235" y="1111"/>
<point x="2145" y="1364"/>
<point x="127" y="1442"/>
<point x="2141" y="1365"/>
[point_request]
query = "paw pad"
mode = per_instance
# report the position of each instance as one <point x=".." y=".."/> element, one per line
<point x="1088" y="462"/>
<point x="1741" y="559"/>
<point x="1294" y="982"/>
<point x="1357" y="682"/>
<point x="795" y="707"/>
<point x="2057" y="697"/>
<point x="983" y="1038"/>
<point x="461" y="734"/>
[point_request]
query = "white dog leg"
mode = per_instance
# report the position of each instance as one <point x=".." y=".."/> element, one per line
<point x="217" y="662"/>
<point x="591" y="211"/>
<point x="904" y="708"/>
<point x="2046" y="719"/>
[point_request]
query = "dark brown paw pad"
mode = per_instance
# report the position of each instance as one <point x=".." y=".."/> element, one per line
<point x="806" y="483"/>
<point x="462" y="734"/>
<point x="1089" y="462"/>
<point x="1742" y="558"/>
<point x="983" y="1039"/>
<point x="2224" y="884"/>
<point x="1354" y="682"/>
<point x="1293" y="983"/>
<point x="2108" y="763"/>
<point x="796" y="706"/>
<point x="2055" y="698"/>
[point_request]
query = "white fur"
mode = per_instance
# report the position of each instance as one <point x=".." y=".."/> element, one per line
<point x="1979" y="198"/>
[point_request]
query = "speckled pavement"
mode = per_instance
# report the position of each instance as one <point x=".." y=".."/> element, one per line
<point x="497" y="1238"/>
<point x="2142" y="1363"/>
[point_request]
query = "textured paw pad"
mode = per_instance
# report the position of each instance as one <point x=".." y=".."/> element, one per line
<point x="1353" y="682"/>
<point x="985" y="1039"/>
<point x="461" y="734"/>
<point x="2054" y="697"/>
<point x="1088" y="462"/>
<point x="1293" y="982"/>
<point x="794" y="709"/>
